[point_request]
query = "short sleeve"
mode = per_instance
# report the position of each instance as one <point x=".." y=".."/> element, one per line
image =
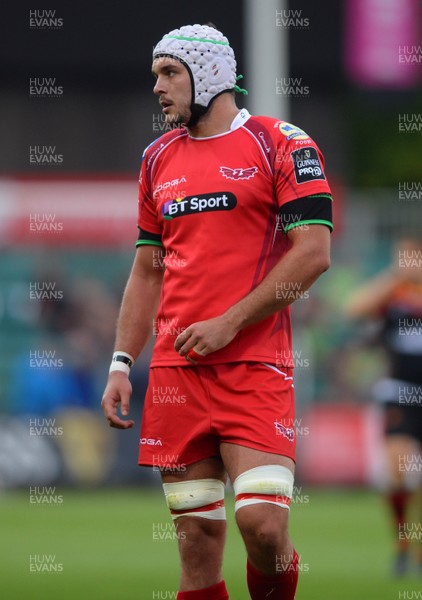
<point x="298" y="165"/>
<point x="301" y="187"/>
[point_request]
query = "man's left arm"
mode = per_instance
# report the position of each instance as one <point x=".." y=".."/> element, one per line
<point x="307" y="258"/>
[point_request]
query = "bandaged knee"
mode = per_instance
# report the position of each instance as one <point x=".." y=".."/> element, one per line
<point x="272" y="484"/>
<point x="196" y="498"/>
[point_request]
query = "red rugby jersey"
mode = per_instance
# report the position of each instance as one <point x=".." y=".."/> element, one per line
<point x="221" y="207"/>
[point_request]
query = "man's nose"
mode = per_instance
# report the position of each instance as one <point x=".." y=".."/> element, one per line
<point x="159" y="86"/>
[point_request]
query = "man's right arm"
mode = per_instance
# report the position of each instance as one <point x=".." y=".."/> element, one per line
<point x="134" y="328"/>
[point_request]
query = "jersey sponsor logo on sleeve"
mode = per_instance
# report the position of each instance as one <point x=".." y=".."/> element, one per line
<point x="191" y="205"/>
<point x="307" y="165"/>
<point x="261" y="136"/>
<point x="239" y="173"/>
<point x="291" y="131"/>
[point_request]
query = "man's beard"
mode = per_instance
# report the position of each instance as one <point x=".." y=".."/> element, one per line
<point x="178" y="119"/>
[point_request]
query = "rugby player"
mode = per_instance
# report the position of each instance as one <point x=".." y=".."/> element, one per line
<point x="394" y="299"/>
<point x="241" y="208"/>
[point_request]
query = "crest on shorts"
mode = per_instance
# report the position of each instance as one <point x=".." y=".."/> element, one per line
<point x="281" y="429"/>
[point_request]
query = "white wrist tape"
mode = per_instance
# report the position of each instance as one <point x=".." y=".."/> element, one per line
<point x="121" y="361"/>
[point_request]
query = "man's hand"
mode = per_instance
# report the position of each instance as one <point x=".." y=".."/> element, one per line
<point x="118" y="391"/>
<point x="206" y="336"/>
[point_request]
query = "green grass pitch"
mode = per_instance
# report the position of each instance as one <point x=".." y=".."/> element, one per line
<point x="118" y="545"/>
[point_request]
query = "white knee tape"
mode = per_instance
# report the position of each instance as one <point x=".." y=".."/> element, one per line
<point x="196" y="498"/>
<point x="272" y="484"/>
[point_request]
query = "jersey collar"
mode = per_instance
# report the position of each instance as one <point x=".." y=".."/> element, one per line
<point x="240" y="119"/>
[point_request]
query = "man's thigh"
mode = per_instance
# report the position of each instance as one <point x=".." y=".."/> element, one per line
<point x="238" y="459"/>
<point x="197" y="492"/>
<point x="176" y="431"/>
<point x="208" y="468"/>
<point x="253" y="409"/>
<point x="263" y="484"/>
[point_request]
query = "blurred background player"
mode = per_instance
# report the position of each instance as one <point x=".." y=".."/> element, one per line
<point x="238" y="204"/>
<point x="394" y="298"/>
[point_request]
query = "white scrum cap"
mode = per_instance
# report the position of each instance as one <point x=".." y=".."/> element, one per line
<point x="208" y="57"/>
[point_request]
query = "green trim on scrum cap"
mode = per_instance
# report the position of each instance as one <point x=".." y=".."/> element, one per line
<point x="194" y="39"/>
<point x="238" y="89"/>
